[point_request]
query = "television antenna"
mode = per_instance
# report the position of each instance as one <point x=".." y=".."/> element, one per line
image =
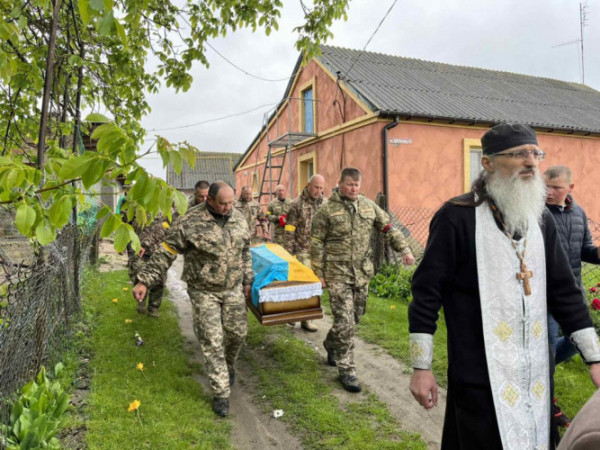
<point x="582" y="23"/>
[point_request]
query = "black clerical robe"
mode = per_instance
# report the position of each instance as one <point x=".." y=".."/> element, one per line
<point x="447" y="277"/>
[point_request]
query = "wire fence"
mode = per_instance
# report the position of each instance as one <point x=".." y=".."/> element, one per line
<point x="414" y="223"/>
<point x="39" y="300"/>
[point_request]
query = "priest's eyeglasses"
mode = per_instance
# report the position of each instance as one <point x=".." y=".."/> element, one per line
<point x="524" y="154"/>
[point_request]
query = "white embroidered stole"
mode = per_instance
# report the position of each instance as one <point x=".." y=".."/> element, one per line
<point x="515" y="332"/>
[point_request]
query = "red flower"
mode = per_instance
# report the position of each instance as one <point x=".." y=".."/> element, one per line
<point x="598" y="285"/>
<point x="596" y="304"/>
<point x="593" y="289"/>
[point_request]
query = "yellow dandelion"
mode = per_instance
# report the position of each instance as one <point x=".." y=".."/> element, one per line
<point x="392" y="306"/>
<point x="140" y="366"/>
<point x="128" y="320"/>
<point x="115" y="300"/>
<point x="134" y="405"/>
<point x="125" y="289"/>
<point x="166" y="225"/>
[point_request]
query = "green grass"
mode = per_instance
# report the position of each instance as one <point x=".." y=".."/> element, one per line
<point x="174" y="412"/>
<point x="386" y="324"/>
<point x="293" y="378"/>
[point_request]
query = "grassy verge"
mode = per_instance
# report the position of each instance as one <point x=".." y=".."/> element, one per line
<point x="293" y="378"/>
<point x="174" y="412"/>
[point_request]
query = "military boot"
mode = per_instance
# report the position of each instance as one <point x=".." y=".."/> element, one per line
<point x="220" y="406"/>
<point x="330" y="357"/>
<point x="153" y="312"/>
<point x="350" y="383"/>
<point x="309" y="326"/>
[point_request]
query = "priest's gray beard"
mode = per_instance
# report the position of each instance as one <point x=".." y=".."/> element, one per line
<point x="518" y="199"/>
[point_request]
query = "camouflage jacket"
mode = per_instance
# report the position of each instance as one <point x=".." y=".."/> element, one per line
<point x="151" y="235"/>
<point x="299" y="218"/>
<point x="341" y="239"/>
<point x="215" y="258"/>
<point x="276" y="209"/>
<point x="252" y="212"/>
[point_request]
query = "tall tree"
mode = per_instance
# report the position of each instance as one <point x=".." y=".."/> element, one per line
<point x="86" y="53"/>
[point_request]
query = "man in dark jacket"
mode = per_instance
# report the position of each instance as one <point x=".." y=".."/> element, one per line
<point x="576" y="240"/>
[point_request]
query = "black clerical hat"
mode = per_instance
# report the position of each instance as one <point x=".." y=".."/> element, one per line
<point x="507" y="135"/>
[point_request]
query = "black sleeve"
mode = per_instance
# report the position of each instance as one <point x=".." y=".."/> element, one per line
<point x="565" y="298"/>
<point x="589" y="252"/>
<point x="433" y="274"/>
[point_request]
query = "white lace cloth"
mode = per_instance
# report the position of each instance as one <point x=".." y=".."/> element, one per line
<point x="586" y="341"/>
<point x="290" y="293"/>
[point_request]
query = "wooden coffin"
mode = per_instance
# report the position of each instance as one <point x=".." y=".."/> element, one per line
<point x="275" y="313"/>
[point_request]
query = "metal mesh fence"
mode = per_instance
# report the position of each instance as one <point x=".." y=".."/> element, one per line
<point x="414" y="222"/>
<point x="39" y="298"/>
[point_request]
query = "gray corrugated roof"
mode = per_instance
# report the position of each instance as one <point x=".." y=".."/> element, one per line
<point x="411" y="87"/>
<point x="210" y="166"/>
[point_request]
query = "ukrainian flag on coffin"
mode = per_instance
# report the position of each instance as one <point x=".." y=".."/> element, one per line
<point x="271" y="262"/>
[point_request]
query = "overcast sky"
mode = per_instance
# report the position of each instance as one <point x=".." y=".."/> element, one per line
<point x="509" y="35"/>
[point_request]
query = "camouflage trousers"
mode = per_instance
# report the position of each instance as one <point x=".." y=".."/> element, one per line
<point x="348" y="304"/>
<point x="155" y="292"/>
<point x="304" y="258"/>
<point x="221" y="325"/>
<point x="278" y="235"/>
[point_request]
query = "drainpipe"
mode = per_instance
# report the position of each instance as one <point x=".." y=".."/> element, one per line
<point x="386" y="181"/>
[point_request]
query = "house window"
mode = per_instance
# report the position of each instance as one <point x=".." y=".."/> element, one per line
<point x="254" y="183"/>
<point x="308" y="110"/>
<point x="472" y="162"/>
<point x="307" y="167"/>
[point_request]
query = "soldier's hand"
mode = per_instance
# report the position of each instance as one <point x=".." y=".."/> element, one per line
<point x="323" y="284"/>
<point x="139" y="292"/>
<point x="142" y="252"/>
<point x="408" y="260"/>
<point x="424" y="388"/>
<point x="247" y="291"/>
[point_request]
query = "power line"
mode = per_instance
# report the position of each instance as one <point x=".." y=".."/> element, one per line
<point x="212" y="120"/>
<point x="372" y="35"/>
<point x="245" y="71"/>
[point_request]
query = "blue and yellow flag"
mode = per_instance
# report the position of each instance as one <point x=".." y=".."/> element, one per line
<point x="271" y="262"/>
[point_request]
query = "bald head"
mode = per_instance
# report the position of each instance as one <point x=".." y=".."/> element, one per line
<point x="281" y="192"/>
<point x="316" y="185"/>
<point x="220" y="197"/>
<point x="246" y="193"/>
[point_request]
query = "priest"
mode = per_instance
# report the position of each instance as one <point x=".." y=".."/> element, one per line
<point x="493" y="261"/>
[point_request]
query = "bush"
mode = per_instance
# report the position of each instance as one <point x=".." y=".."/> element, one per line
<point x="393" y="282"/>
<point x="592" y="296"/>
<point x="37" y="415"/>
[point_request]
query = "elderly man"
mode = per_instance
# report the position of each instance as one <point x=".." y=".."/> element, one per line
<point x="576" y="241"/>
<point x="340" y="255"/>
<point x="297" y="228"/>
<point x="215" y="242"/>
<point x="493" y="261"/>
<point x="252" y="211"/>
<point x="277" y="214"/>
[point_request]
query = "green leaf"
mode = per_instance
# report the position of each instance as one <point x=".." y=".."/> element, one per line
<point x="110" y="225"/>
<point x="44" y="233"/>
<point x="104" y="211"/>
<point x="189" y="155"/>
<point x="135" y="240"/>
<point x="97" y="118"/>
<point x="60" y="211"/>
<point x="180" y="201"/>
<point x="97" y="5"/>
<point x="24" y="219"/>
<point x="122" y="238"/>
<point x="121" y="32"/>
<point x="175" y="159"/>
<point x="106" y="24"/>
<point x="74" y="167"/>
<point x="94" y="173"/>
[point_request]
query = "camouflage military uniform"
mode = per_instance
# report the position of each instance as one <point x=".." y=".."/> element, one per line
<point x="253" y="212"/>
<point x="276" y="209"/>
<point x="216" y="265"/>
<point x="340" y="253"/>
<point x="150" y="238"/>
<point x="297" y="229"/>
